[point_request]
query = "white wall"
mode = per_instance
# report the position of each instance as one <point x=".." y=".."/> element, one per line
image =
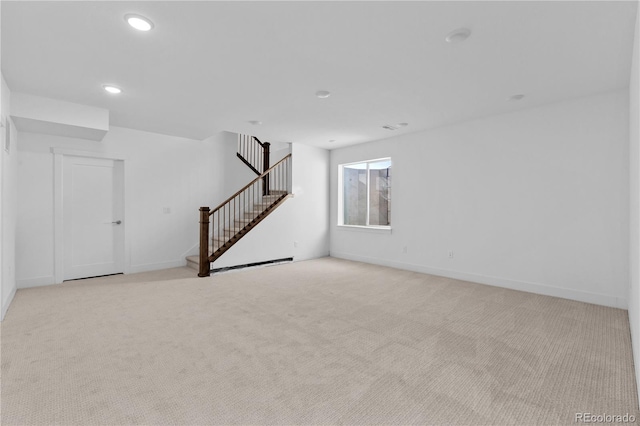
<point x="160" y="172"/>
<point x="61" y="112"/>
<point x="311" y="201"/>
<point x="535" y="200"/>
<point x="54" y="117"/>
<point x="179" y="174"/>
<point x="8" y="211"/>
<point x="634" y="197"/>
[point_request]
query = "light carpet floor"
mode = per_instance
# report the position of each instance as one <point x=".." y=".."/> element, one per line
<point x="326" y="341"/>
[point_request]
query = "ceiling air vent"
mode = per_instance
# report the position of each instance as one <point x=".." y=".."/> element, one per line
<point x="394" y="126"/>
<point x="390" y="127"/>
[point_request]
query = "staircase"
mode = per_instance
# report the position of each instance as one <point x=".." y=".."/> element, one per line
<point x="225" y="225"/>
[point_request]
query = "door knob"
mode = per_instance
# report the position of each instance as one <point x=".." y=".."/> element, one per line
<point x="117" y="222"/>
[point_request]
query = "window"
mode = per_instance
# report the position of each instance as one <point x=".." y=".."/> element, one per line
<point x="365" y="196"/>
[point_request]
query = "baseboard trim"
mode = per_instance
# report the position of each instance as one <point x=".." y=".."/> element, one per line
<point x="530" y="287"/>
<point x="50" y="279"/>
<point x="193" y="251"/>
<point x="155" y="266"/>
<point x="5" y="305"/>
<point x="635" y="349"/>
<point x="37" y="281"/>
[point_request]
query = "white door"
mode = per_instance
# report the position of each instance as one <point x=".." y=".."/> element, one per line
<point x="93" y="210"/>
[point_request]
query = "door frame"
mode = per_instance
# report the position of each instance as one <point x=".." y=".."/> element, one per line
<point x="58" y="214"/>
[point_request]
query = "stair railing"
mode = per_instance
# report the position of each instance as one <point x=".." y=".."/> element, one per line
<point x="254" y="153"/>
<point x="237" y="215"/>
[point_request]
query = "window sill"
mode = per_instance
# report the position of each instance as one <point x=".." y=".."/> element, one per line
<point x="374" y="229"/>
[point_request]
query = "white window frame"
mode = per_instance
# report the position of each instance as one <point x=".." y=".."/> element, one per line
<point x="341" y="223"/>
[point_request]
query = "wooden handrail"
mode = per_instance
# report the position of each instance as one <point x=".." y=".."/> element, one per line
<point x="258" y="140"/>
<point x="248" y="185"/>
<point x="254" y="153"/>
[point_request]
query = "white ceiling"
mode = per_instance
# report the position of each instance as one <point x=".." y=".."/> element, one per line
<point x="211" y="66"/>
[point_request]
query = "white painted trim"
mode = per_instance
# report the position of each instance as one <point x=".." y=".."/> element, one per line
<point x="341" y="168"/>
<point x="370" y="228"/>
<point x="127" y="216"/>
<point x="58" y="223"/>
<point x="5" y="306"/>
<point x="193" y="251"/>
<point x="155" y="266"/>
<point x="37" y="281"/>
<point x="537" y="288"/>
<point x="90" y="154"/>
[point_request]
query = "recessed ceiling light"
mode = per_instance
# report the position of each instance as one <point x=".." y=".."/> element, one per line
<point x="112" y="89"/>
<point x="322" y="94"/>
<point x="255" y="122"/>
<point x="402" y="124"/>
<point x="456" y="36"/>
<point x="332" y="140"/>
<point x="516" y="97"/>
<point x="138" y="22"/>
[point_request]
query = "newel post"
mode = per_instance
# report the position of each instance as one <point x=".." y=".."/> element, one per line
<point x="265" y="167"/>
<point x="205" y="265"/>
